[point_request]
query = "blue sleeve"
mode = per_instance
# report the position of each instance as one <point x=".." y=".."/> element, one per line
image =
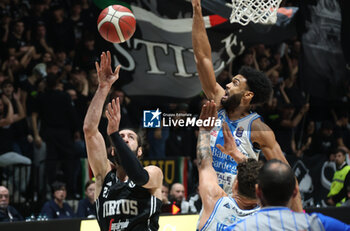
<point x="332" y="224"/>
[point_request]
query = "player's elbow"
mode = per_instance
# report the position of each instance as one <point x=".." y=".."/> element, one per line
<point x="88" y="128"/>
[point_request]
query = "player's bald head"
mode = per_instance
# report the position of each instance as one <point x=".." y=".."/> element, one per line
<point x="277" y="182"/>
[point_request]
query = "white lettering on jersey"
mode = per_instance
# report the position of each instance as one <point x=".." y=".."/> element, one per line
<point x="123" y="206"/>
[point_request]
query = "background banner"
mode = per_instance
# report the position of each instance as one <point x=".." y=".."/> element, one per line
<point x="159" y="58"/>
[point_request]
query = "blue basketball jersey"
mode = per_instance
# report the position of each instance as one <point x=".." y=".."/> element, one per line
<point x="224" y="165"/>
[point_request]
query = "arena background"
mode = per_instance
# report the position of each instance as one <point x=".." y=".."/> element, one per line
<point x="158" y="71"/>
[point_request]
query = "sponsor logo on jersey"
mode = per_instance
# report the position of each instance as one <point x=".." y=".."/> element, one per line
<point x="131" y="184"/>
<point x="239" y="131"/>
<point x="227" y="205"/>
<point x="116" y="226"/>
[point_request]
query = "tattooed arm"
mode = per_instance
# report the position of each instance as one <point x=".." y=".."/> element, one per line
<point x="209" y="189"/>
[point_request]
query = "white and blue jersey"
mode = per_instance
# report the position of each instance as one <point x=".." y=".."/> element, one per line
<point x="224" y="165"/>
<point x="283" y="219"/>
<point x="225" y="213"/>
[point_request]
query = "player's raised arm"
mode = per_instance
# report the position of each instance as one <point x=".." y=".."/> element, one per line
<point x="150" y="177"/>
<point x="209" y="189"/>
<point x="202" y="54"/>
<point x="97" y="154"/>
<point x="264" y="136"/>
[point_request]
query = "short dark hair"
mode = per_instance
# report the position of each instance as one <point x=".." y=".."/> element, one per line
<point x="6" y="82"/>
<point x="342" y="151"/>
<point x="277" y="182"/>
<point x="247" y="177"/>
<point x="90" y="182"/>
<point x="258" y="83"/>
<point x="57" y="185"/>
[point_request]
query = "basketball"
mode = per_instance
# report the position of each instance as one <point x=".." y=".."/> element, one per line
<point x="116" y="24"/>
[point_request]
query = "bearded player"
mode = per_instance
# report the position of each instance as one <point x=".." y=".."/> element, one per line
<point x="249" y="87"/>
<point x="128" y="197"/>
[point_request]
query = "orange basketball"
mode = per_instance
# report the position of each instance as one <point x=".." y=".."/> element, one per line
<point x="116" y="23"/>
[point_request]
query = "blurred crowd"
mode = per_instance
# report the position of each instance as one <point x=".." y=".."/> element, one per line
<point x="47" y="79"/>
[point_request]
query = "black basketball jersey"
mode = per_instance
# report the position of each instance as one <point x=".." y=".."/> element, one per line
<point x="126" y="206"/>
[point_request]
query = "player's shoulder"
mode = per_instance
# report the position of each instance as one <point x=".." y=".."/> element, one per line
<point x="153" y="168"/>
<point x="259" y="126"/>
<point x="154" y="171"/>
<point x="260" y="130"/>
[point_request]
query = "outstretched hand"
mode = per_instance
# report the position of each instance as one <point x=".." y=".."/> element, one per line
<point x="208" y="112"/>
<point x="230" y="147"/>
<point x="113" y="116"/>
<point x="106" y="77"/>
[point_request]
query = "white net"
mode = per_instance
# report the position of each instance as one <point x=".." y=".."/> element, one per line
<point x="257" y="11"/>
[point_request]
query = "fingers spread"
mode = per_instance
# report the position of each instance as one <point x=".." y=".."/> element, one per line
<point x="108" y="58"/>
<point x="108" y="115"/>
<point x="117" y="69"/>
<point x="117" y="105"/>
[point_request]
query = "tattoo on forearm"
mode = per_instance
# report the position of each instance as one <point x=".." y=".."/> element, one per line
<point x="203" y="147"/>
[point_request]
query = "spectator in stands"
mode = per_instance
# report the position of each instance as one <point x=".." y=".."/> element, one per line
<point x="166" y="206"/>
<point x="64" y="63"/>
<point x="301" y="142"/>
<point x="177" y="196"/>
<point x="4" y="33"/>
<point x="275" y="189"/>
<point x="87" y="207"/>
<point x="19" y="126"/>
<point x="39" y="40"/>
<point x="15" y="68"/>
<point x="341" y="180"/>
<point x="249" y="59"/>
<point x="57" y="208"/>
<point x="17" y="44"/>
<point x="288" y="122"/>
<point x="86" y="54"/>
<point x="29" y="88"/>
<point x="323" y="141"/>
<point x="7" y="154"/>
<point x="263" y="62"/>
<point x="342" y="131"/>
<point x="60" y="30"/>
<point x="7" y="212"/>
<point x="165" y="193"/>
<point x="78" y="81"/>
<point x="59" y="124"/>
<point x="77" y="21"/>
<point x="36" y="16"/>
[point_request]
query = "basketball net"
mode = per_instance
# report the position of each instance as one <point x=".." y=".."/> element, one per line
<point x="257" y="11"/>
